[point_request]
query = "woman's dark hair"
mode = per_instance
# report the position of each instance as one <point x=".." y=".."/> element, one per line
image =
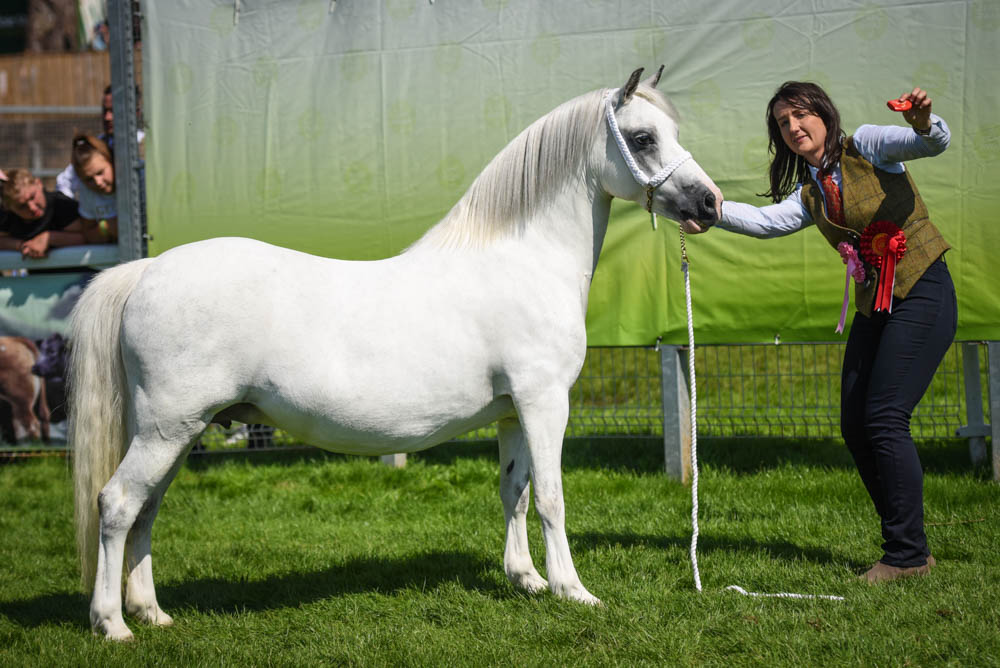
<point x="788" y="169"/>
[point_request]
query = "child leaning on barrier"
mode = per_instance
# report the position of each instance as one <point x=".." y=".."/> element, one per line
<point x="34" y="219"/>
<point x="95" y="167"/>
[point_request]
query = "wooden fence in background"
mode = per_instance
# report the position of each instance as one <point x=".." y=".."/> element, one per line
<point x="54" y="79"/>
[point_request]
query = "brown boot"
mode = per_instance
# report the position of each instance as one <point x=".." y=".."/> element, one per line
<point x="884" y="572"/>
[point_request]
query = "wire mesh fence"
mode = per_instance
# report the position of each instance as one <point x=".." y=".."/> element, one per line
<point x="39" y="138"/>
<point x="751" y="391"/>
<point x="793" y="391"/>
<point x="772" y="391"/>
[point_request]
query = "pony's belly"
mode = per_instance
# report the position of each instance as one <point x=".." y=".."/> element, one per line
<point x="385" y="434"/>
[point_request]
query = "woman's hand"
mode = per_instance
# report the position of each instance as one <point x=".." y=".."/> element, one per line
<point x="919" y="115"/>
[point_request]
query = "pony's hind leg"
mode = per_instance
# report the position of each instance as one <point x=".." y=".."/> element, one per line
<point x="544" y="420"/>
<point x="515" y="488"/>
<point x="130" y="501"/>
<point x="140" y="593"/>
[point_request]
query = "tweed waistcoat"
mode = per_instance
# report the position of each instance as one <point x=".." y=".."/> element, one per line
<point x="870" y="194"/>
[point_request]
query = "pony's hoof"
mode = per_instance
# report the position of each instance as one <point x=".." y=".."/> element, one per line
<point x="530" y="582"/>
<point x="114" y="631"/>
<point x="589" y="599"/>
<point x="154" y="617"/>
<point x="579" y="594"/>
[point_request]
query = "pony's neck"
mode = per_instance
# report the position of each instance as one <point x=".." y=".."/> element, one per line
<point x="573" y="226"/>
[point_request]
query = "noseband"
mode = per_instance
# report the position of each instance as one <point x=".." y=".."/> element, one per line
<point x="650" y="183"/>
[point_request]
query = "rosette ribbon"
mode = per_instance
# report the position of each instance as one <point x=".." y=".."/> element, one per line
<point x="883" y="245"/>
<point x="855" y="270"/>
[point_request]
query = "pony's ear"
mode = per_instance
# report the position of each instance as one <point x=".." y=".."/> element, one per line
<point x="655" y="79"/>
<point x="630" y="86"/>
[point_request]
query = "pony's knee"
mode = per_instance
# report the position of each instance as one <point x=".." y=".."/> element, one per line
<point x="549" y="505"/>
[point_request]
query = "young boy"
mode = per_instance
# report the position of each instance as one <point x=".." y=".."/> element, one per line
<point x="34" y="219"/>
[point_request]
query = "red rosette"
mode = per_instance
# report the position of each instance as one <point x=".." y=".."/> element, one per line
<point x="883" y="244"/>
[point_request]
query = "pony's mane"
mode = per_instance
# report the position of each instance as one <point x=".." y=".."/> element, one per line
<point x="523" y="177"/>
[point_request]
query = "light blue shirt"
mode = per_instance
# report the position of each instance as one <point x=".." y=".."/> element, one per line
<point x="885" y="146"/>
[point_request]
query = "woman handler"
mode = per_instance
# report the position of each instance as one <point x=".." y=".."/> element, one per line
<point x="864" y="201"/>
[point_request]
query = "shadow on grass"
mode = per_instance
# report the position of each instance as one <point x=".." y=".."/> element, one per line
<point x="774" y="549"/>
<point x="278" y="456"/>
<point x="425" y="571"/>
<point x="740" y="456"/>
<point x="640" y="455"/>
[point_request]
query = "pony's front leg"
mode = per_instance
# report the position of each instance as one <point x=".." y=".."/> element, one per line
<point x="544" y="421"/>
<point x="515" y="466"/>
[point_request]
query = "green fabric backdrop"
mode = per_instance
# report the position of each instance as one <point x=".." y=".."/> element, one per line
<point x="347" y="129"/>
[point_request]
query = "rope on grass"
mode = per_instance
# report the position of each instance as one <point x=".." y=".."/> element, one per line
<point x="783" y="594"/>
<point x="694" y="452"/>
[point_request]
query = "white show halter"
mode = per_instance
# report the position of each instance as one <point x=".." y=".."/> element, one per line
<point x="650" y="183"/>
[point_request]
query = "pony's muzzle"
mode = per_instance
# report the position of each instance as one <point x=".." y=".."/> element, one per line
<point x="701" y="203"/>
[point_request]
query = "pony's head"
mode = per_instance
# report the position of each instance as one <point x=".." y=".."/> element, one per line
<point x="646" y="127"/>
<point x="550" y="156"/>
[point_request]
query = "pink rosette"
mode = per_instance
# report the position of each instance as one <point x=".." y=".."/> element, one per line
<point x="849" y="254"/>
<point x="855" y="270"/>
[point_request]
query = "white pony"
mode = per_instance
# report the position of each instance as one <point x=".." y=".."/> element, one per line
<point x="490" y="304"/>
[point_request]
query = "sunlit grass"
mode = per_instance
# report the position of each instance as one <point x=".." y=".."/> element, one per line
<point x="306" y="559"/>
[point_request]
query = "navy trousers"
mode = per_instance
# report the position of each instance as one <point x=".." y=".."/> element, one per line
<point x="888" y="365"/>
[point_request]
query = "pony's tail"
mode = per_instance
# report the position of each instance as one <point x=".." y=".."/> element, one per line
<point x="97" y="402"/>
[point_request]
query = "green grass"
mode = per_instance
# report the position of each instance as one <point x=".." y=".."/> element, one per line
<point x="307" y="559"/>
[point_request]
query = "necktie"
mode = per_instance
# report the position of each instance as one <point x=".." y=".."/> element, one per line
<point x="835" y="212"/>
<point x="834" y="207"/>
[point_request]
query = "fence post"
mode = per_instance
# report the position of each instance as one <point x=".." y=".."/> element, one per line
<point x="993" y="353"/>
<point x="396" y="461"/>
<point x="975" y="428"/>
<point x="676" y="414"/>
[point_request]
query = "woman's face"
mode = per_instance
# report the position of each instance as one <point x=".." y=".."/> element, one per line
<point x="803" y="131"/>
<point x="99" y="174"/>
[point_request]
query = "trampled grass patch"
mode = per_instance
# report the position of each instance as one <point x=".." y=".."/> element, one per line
<point x="302" y="558"/>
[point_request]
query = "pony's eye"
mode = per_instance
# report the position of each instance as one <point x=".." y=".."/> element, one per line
<point x="643" y="139"/>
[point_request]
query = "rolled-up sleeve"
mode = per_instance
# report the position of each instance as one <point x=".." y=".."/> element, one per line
<point x="887" y="144"/>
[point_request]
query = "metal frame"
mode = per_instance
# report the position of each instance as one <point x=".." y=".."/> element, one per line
<point x="128" y="166"/>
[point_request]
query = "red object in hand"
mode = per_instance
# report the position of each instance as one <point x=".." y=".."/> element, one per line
<point x="899" y="105"/>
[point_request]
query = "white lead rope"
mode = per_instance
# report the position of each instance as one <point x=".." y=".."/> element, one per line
<point x="694" y="419"/>
<point x="694" y="452"/>
<point x="650" y="184"/>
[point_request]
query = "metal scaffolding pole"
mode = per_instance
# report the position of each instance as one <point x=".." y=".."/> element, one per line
<point x="128" y="164"/>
